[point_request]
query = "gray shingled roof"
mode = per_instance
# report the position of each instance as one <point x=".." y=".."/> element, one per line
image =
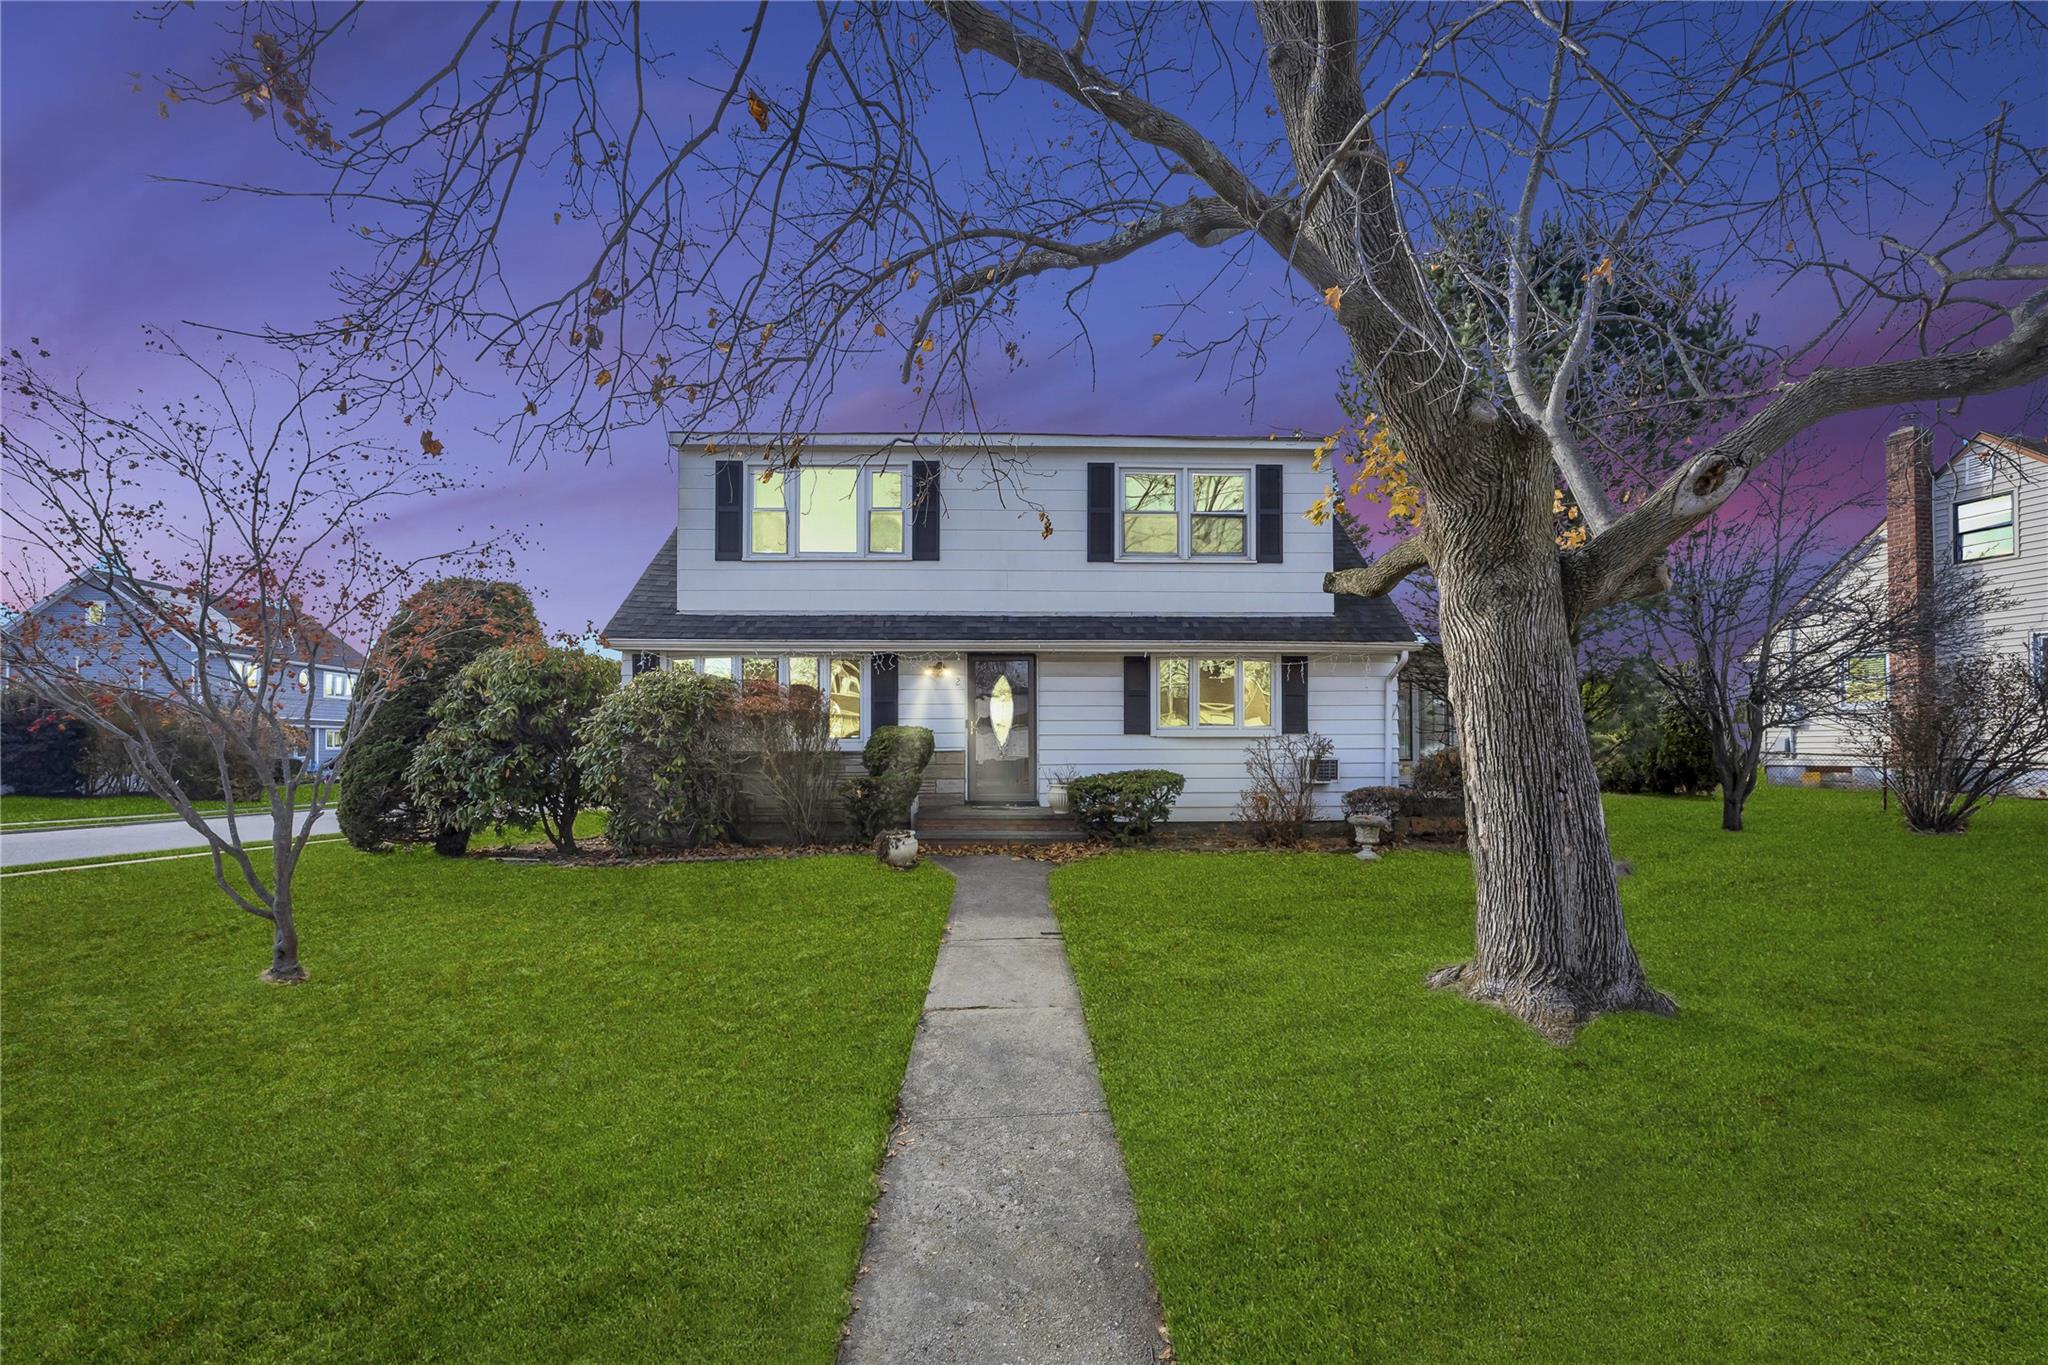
<point x="649" y="614"/>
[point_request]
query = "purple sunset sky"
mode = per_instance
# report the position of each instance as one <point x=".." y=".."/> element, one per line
<point x="91" y="249"/>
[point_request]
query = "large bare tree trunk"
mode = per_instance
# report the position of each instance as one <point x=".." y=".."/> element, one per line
<point x="1552" y="947"/>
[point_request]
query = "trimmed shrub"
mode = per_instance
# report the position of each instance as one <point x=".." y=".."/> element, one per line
<point x="503" y="747"/>
<point x="1442" y="772"/>
<point x="895" y="758"/>
<point x="1124" y="805"/>
<point x="662" y="756"/>
<point x="433" y="637"/>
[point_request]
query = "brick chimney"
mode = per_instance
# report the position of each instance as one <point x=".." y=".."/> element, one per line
<point x="1909" y="546"/>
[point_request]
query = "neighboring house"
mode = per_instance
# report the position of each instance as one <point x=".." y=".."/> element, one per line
<point x="101" y="618"/>
<point x="1984" y="512"/>
<point x="1057" y="603"/>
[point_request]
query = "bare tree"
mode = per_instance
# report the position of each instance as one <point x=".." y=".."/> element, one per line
<point x="1968" y="735"/>
<point x="1763" y="618"/>
<point x="897" y="188"/>
<point x="227" y="544"/>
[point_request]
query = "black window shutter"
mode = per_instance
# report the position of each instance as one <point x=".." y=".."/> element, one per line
<point x="924" y="511"/>
<point x="1102" y="516"/>
<point x="1137" y="694"/>
<point x="1294" y="694"/>
<point x="882" y="676"/>
<point x="731" y="509"/>
<point x="1269" y="514"/>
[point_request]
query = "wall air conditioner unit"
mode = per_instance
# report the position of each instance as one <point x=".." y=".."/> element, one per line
<point x="1318" y="772"/>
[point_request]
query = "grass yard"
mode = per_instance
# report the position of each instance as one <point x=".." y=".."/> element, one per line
<point x="42" y="810"/>
<point x="1836" y="1152"/>
<point x="522" y="1112"/>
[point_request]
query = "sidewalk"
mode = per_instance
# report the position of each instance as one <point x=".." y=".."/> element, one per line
<point x="22" y="848"/>
<point x="1005" y="1231"/>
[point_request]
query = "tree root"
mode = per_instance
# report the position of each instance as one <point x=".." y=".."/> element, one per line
<point x="296" y="976"/>
<point x="1556" y="1012"/>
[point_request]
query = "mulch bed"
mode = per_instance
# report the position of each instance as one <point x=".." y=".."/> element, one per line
<point x="597" y="851"/>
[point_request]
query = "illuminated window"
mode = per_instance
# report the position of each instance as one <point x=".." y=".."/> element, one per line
<point x="840" y="512"/>
<point x="1151" y="512"/>
<point x="885" y="512"/>
<point x="334" y="684"/>
<point x="1215" y="694"/>
<point x="96" y="613"/>
<point x="1984" y="528"/>
<point x="1863" y="679"/>
<point x="1216" y="519"/>
<point x="771" y="514"/>
<point x="844" y="702"/>
<point x="249" y="671"/>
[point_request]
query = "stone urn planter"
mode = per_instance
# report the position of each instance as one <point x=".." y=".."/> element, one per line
<point x="1056" y="796"/>
<point x="1368" y="828"/>
<point x="897" y="848"/>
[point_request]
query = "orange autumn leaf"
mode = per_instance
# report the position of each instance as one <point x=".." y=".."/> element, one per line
<point x="1334" y="296"/>
<point x="758" y="107"/>
<point x="428" y="444"/>
<point x="604" y="377"/>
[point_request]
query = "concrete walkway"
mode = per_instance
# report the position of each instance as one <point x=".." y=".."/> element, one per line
<point x="27" y="846"/>
<point x="1005" y="1234"/>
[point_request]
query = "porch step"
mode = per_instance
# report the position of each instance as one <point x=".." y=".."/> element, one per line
<point x="1007" y="824"/>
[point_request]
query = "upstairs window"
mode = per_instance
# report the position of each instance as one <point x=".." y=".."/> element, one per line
<point x="1152" y="512"/>
<point x="250" y="671"/>
<point x="1186" y="513"/>
<point x="96" y="613"/>
<point x="334" y="684"/>
<point x="1984" y="528"/>
<point x="1215" y="694"/>
<point x="836" y="512"/>
<point x="1863" y="679"/>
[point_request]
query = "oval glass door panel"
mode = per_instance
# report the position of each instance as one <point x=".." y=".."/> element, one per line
<point x="1002" y="710"/>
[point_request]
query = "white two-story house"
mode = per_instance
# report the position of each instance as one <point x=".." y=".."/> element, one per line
<point x="1052" y="605"/>
<point x="1984" y="513"/>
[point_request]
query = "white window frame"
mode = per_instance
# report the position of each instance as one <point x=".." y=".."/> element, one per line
<point x="825" y="658"/>
<point x="792" y="512"/>
<point x="96" y="611"/>
<point x="1955" y="514"/>
<point x="337" y="684"/>
<point x="248" y="671"/>
<point x="1194" y="727"/>
<point x="1184" y="514"/>
<point x="333" y="736"/>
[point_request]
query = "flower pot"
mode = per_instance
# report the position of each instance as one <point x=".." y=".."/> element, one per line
<point x="1368" y="828"/>
<point x="1056" y="796"/>
<point x="897" y="848"/>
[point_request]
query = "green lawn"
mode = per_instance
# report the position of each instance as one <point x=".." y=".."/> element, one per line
<point x="522" y="1112"/>
<point x="1835" y="1152"/>
<point x="36" y="810"/>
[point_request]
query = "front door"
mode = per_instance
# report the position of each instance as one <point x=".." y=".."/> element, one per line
<point x="1001" y="767"/>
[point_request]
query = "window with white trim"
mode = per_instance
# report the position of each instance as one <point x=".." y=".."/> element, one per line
<point x="1213" y="694"/>
<point x="336" y="684"/>
<point x="841" y="677"/>
<point x="250" y="671"/>
<point x="830" y="511"/>
<point x="1186" y="513"/>
<point x="1984" y="528"/>
<point x="1863" y="679"/>
<point x="96" y="613"/>
<point x="334" y="739"/>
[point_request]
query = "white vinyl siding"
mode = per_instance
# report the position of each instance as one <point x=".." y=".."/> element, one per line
<point x="994" y="560"/>
<point x="1081" y="721"/>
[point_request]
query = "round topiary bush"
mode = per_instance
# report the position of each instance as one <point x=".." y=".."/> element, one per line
<point x="662" y="756"/>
